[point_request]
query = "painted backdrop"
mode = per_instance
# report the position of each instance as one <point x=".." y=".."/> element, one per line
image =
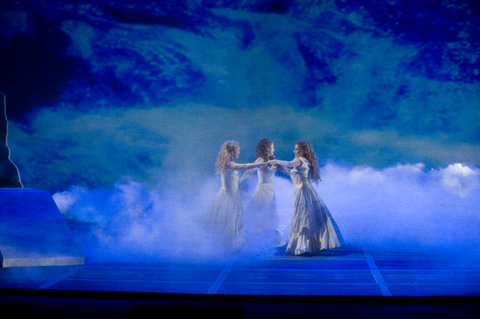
<point x="118" y="108"/>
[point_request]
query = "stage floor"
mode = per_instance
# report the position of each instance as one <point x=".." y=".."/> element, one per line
<point x="339" y="272"/>
<point x="347" y="283"/>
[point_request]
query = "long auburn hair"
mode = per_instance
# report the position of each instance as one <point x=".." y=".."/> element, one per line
<point x="312" y="159"/>
<point x="225" y="156"/>
<point x="262" y="149"/>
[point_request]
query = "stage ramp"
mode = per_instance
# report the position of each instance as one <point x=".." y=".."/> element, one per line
<point x="33" y="232"/>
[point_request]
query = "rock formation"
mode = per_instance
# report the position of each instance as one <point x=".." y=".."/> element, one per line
<point x="9" y="175"/>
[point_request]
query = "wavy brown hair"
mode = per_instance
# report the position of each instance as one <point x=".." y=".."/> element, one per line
<point x="312" y="159"/>
<point x="262" y="149"/>
<point x="225" y="155"/>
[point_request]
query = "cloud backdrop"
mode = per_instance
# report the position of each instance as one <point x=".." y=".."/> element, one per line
<point x="122" y="107"/>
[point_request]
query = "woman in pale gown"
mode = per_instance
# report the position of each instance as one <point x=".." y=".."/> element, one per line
<point x="263" y="226"/>
<point x="312" y="228"/>
<point x="224" y="216"/>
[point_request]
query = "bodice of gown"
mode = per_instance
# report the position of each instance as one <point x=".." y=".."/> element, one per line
<point x="300" y="174"/>
<point x="265" y="176"/>
<point x="230" y="180"/>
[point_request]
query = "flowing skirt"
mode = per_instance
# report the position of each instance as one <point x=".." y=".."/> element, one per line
<point x="262" y="220"/>
<point x="224" y="219"/>
<point x="312" y="228"/>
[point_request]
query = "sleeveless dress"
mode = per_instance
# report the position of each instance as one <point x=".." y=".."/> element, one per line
<point x="224" y="217"/>
<point x="312" y="228"/>
<point x="262" y="217"/>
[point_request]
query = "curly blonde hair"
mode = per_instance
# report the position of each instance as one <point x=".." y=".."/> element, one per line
<point x="226" y="155"/>
<point x="312" y="159"/>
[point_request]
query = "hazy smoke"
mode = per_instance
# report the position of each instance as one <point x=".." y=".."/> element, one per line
<point x="402" y="208"/>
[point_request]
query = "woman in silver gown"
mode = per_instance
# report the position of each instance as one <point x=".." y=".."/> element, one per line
<point x="312" y="228"/>
<point x="224" y="216"/>
<point x="264" y="229"/>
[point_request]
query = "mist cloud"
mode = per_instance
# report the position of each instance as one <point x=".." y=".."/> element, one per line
<point x="401" y="208"/>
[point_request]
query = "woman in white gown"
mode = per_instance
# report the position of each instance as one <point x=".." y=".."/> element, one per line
<point x="264" y="227"/>
<point x="224" y="216"/>
<point x="312" y="228"/>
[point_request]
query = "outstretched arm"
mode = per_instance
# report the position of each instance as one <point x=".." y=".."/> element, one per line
<point x="234" y="165"/>
<point x="246" y="174"/>
<point x="296" y="162"/>
<point x="282" y="169"/>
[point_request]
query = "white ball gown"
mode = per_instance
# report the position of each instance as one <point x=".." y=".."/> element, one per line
<point x="262" y="221"/>
<point x="224" y="217"/>
<point x="312" y="228"/>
